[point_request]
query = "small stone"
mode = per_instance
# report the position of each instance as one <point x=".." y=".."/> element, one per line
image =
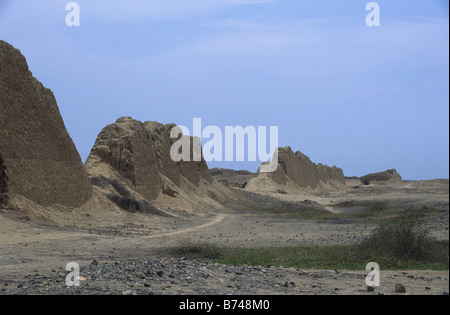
<point x="128" y="292"/>
<point x="370" y="289"/>
<point x="400" y="288"/>
<point x="160" y="273"/>
<point x="94" y="264"/>
<point x="427" y="288"/>
<point x="445" y="292"/>
<point x="381" y="293"/>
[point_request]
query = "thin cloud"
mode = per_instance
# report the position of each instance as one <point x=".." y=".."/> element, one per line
<point x="119" y="10"/>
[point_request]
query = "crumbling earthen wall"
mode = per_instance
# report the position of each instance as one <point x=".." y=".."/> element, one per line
<point x="41" y="159"/>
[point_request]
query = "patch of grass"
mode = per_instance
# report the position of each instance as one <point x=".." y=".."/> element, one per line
<point x="349" y="257"/>
<point x="201" y="251"/>
<point x="400" y="246"/>
<point x="318" y="257"/>
<point x="364" y="211"/>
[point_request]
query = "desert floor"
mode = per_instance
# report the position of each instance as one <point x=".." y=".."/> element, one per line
<point x="36" y="246"/>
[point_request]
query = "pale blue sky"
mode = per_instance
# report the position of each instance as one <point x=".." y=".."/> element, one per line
<point x="362" y="98"/>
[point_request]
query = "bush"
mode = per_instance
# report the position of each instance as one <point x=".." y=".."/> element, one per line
<point x="405" y="240"/>
<point x="198" y="251"/>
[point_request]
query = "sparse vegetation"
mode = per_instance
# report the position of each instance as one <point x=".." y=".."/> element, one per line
<point x="405" y="240"/>
<point x="298" y="212"/>
<point x="202" y="251"/>
<point x="399" y="246"/>
<point x="314" y="257"/>
<point x="369" y="211"/>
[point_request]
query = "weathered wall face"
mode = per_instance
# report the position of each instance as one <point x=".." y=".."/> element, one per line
<point x="42" y="161"/>
<point x="329" y="174"/>
<point x="193" y="171"/>
<point x="302" y="171"/>
<point x="299" y="169"/>
<point x="140" y="152"/>
<point x="3" y="182"/>
<point x="162" y="142"/>
<point x="127" y="147"/>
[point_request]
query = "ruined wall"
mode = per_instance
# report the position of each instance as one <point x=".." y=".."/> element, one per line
<point x="301" y="170"/>
<point x="382" y="178"/>
<point x="127" y="147"/>
<point x="140" y="152"/>
<point x="298" y="168"/>
<point x="42" y="161"/>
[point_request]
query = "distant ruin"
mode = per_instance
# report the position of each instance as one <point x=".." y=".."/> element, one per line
<point x="382" y="178"/>
<point x="296" y="170"/>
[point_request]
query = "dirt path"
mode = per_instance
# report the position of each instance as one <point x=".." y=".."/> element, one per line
<point x="31" y="248"/>
<point x="214" y="221"/>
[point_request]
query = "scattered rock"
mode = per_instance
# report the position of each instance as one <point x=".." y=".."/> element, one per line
<point x="94" y="264"/>
<point x="180" y="277"/>
<point x="400" y="288"/>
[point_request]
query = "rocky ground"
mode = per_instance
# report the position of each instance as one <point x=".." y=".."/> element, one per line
<point x="170" y="276"/>
<point x="121" y="253"/>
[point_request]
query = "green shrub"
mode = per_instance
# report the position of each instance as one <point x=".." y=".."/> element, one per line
<point x="405" y="240"/>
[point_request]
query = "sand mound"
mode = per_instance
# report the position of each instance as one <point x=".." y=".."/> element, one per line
<point x="37" y="156"/>
<point x="296" y="172"/>
<point x="388" y="177"/>
<point x="131" y="162"/>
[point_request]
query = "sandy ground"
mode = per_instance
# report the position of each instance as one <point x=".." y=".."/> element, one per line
<point x="37" y="242"/>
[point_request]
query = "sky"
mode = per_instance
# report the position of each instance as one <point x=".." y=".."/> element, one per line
<point x="363" y="98"/>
